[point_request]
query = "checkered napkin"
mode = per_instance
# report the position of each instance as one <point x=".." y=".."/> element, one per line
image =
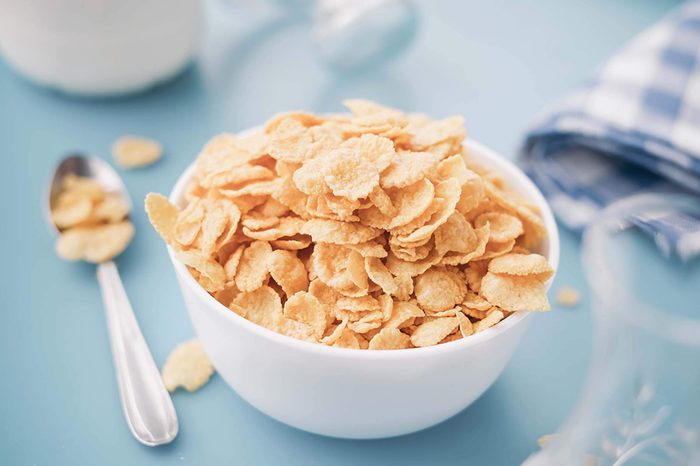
<point x="633" y="128"/>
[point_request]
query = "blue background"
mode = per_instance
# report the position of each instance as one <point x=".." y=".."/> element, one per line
<point x="499" y="63"/>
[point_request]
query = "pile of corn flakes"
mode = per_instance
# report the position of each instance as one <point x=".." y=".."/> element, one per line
<point x="92" y="222"/>
<point x="370" y="231"/>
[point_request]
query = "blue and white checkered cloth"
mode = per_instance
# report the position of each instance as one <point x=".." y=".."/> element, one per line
<point x="633" y="128"/>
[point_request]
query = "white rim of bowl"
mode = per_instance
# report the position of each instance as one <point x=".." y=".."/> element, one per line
<point x="500" y="163"/>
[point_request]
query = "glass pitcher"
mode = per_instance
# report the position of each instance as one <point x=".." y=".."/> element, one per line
<point x="641" y="402"/>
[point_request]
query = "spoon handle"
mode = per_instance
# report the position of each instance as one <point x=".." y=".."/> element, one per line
<point x="146" y="403"/>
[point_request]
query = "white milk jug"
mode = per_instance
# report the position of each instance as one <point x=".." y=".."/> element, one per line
<point x="99" y="47"/>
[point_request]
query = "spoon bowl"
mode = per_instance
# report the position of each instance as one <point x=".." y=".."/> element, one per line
<point x="89" y="167"/>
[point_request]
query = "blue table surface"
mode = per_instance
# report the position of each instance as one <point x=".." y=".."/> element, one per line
<point x="498" y="63"/>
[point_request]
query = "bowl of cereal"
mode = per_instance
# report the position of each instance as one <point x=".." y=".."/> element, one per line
<point x="359" y="276"/>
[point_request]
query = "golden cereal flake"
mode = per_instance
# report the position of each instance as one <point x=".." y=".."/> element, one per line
<point x="135" y="151"/>
<point x="206" y="266"/>
<point x="95" y="244"/>
<point x="335" y="232"/>
<point x="189" y="223"/>
<point x="349" y="175"/>
<point x="406" y="169"/>
<point x="253" y="266"/>
<point x="432" y="332"/>
<point x="361" y="303"/>
<point x="491" y="319"/>
<point x="108" y="241"/>
<point x="231" y="264"/>
<point x="369" y="249"/>
<point x="261" y="306"/>
<point x="439" y="289"/>
<point x="456" y="235"/>
<point x="458" y="258"/>
<point x="514" y="293"/>
<point x="368" y="322"/>
<point x="305" y="308"/>
<point x="71" y="210"/>
<point x="403" y="315"/>
<point x="522" y="265"/>
<point x="379" y="274"/>
<point x="110" y="209"/>
<point x="435" y="132"/>
<point x="503" y="227"/>
<point x="348" y="339"/>
<point x="409" y="203"/>
<point x="568" y="296"/>
<point x="82" y="187"/>
<point x="187" y="366"/>
<point x="284" y="228"/>
<point x="294" y="243"/>
<point x="466" y="327"/>
<point x="309" y="177"/>
<point x="356" y="270"/>
<point x="399" y="267"/>
<point x="288" y="271"/>
<point x="71" y="244"/>
<point x="474" y="301"/>
<point x="389" y="338"/>
<point x="448" y="191"/>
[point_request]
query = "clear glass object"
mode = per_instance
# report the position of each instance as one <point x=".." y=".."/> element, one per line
<point x="641" y="403"/>
<point x="355" y="35"/>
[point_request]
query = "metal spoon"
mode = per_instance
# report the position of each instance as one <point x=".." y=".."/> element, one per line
<point x="146" y="403"/>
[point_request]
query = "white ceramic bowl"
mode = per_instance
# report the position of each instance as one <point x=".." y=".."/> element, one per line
<point x="359" y="394"/>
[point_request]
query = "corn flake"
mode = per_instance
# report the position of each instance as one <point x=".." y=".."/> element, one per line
<point x="523" y="265"/>
<point x="71" y="211"/>
<point x="379" y="274"/>
<point x="502" y="227"/>
<point x="206" y="266"/>
<point x="187" y="366"/>
<point x="406" y="169"/>
<point x="348" y="339"/>
<point x="288" y="271"/>
<point x="134" y="151"/>
<point x="432" y="332"/>
<point x="253" y="267"/>
<point x="466" y="327"/>
<point x="514" y="293"/>
<point x="491" y="319"/>
<point x="403" y="315"/>
<point x="305" y="308"/>
<point x="349" y="175"/>
<point x="389" y="338"/>
<point x="439" y="289"/>
<point x="335" y="232"/>
<point x="262" y="306"/>
<point x="409" y="203"/>
<point x="568" y="296"/>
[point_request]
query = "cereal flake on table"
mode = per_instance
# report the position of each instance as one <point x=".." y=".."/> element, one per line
<point x="135" y="151"/>
<point x="372" y="230"/>
<point x="568" y="296"/>
<point x="187" y="366"/>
